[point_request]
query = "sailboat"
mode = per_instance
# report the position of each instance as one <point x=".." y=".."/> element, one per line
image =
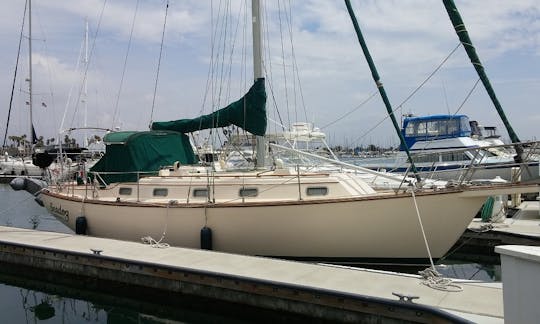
<point x="21" y="166"/>
<point x="149" y="186"/>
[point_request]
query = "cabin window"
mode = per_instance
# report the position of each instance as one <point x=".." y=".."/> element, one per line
<point x="123" y="191"/>
<point x="248" y="192"/>
<point x="421" y="129"/>
<point x="433" y="128"/>
<point x="317" y="191"/>
<point x="454" y="156"/>
<point x="200" y="192"/>
<point x="410" y="131"/>
<point x="453" y="127"/>
<point x="464" y="126"/>
<point x="424" y="158"/>
<point x="161" y="192"/>
<point x="416" y="128"/>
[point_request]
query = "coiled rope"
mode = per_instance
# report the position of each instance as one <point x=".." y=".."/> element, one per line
<point x="435" y="280"/>
<point x="158" y="244"/>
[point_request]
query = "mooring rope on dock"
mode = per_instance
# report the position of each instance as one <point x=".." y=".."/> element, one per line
<point x="435" y="280"/>
<point x="482" y="229"/>
<point x="432" y="278"/>
<point x="157" y="244"/>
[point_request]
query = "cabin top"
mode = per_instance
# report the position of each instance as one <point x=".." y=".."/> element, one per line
<point x="428" y="128"/>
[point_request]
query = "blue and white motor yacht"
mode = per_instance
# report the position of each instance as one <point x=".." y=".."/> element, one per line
<point x="446" y="146"/>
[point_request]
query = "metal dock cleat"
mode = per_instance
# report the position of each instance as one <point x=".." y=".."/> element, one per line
<point x="96" y="251"/>
<point x="405" y="298"/>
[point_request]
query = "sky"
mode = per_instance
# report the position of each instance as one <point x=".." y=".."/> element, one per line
<point x="314" y="66"/>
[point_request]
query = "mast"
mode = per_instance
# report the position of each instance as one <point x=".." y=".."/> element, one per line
<point x="465" y="40"/>
<point x="257" y="70"/>
<point x="30" y="101"/>
<point x="85" y="85"/>
<point x="379" y="84"/>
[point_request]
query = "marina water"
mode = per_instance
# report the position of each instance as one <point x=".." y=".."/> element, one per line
<point x="32" y="297"/>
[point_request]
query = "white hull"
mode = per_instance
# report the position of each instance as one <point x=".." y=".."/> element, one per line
<point x="364" y="227"/>
<point x="456" y="170"/>
<point x="505" y="172"/>
<point x="19" y="167"/>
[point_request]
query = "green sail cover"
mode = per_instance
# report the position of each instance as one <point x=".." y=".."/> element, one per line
<point x="127" y="153"/>
<point x="249" y="113"/>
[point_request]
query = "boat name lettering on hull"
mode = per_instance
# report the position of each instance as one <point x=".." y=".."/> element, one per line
<point x="59" y="212"/>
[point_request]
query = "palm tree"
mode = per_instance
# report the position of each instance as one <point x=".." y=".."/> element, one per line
<point x="39" y="142"/>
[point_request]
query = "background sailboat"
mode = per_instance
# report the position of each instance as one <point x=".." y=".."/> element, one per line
<point x="22" y="164"/>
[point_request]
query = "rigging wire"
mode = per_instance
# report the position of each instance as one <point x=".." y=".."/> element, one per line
<point x="467" y="96"/>
<point x="400" y="106"/>
<point x="268" y="72"/>
<point x="223" y="47"/>
<point x="233" y="46"/>
<point x="159" y="64"/>
<point x="210" y="75"/>
<point x="222" y="73"/>
<point x="116" y="111"/>
<point x="353" y="110"/>
<point x="243" y="8"/>
<point x="283" y="64"/>
<point x="223" y="37"/>
<point x="87" y="63"/>
<point x="52" y="103"/>
<point x="15" y="74"/>
<point x="296" y="73"/>
<point x="209" y="88"/>
<point x="68" y="101"/>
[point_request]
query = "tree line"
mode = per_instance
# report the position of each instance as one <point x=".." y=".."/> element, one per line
<point x="23" y="141"/>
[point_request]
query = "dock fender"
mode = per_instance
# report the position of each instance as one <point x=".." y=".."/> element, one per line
<point x="206" y="238"/>
<point x="81" y="225"/>
<point x="18" y="184"/>
<point x="31" y="185"/>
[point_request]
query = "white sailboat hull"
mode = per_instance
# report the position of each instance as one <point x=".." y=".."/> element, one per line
<point x="366" y="227"/>
<point x="20" y="168"/>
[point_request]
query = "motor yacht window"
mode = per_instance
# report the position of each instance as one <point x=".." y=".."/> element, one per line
<point x="423" y="158"/>
<point x="317" y="191"/>
<point x="435" y="128"/>
<point x="161" y="192"/>
<point x="465" y="126"/>
<point x="421" y="130"/>
<point x="200" y="192"/>
<point x="248" y="192"/>
<point x="411" y="129"/>
<point x="453" y="126"/>
<point x="123" y="191"/>
<point x="454" y="156"/>
<point x="416" y="128"/>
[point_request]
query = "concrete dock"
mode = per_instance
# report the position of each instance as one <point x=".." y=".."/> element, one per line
<point x="319" y="291"/>
<point x="479" y="241"/>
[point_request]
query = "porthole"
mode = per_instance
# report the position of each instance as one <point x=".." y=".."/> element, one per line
<point x="200" y="192"/>
<point x="124" y="191"/>
<point x="248" y="192"/>
<point x="317" y="191"/>
<point x="161" y="192"/>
